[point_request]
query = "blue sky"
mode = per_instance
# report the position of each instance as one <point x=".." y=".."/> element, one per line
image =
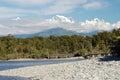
<point x="83" y="16"/>
<point x="80" y="10"/>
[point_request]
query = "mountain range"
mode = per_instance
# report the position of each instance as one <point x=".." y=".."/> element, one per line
<point x="54" y="32"/>
<point x="57" y="25"/>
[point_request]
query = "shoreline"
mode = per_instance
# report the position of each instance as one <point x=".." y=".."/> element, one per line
<point x="22" y="59"/>
<point x="30" y="59"/>
<point x="89" y="69"/>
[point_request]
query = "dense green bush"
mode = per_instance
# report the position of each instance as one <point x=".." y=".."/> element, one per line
<point x="115" y="49"/>
<point x="41" y="47"/>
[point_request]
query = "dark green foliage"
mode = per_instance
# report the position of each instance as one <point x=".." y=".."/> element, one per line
<point x="115" y="49"/>
<point x="40" y="47"/>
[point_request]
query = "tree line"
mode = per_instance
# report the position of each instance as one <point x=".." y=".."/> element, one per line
<point x="43" y="47"/>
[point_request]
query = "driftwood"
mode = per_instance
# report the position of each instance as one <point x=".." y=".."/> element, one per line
<point x="94" y="55"/>
<point x="61" y="56"/>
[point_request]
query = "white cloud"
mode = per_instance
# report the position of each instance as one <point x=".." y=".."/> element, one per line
<point x="94" y="5"/>
<point x="4" y="29"/>
<point x="32" y="26"/>
<point x="6" y="12"/>
<point x="96" y="25"/>
<point x="59" y="18"/>
<point x="116" y="25"/>
<point x="62" y="6"/>
<point x="20" y="8"/>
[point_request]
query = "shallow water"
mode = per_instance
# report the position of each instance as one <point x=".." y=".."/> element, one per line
<point x="12" y="78"/>
<point x="5" y="65"/>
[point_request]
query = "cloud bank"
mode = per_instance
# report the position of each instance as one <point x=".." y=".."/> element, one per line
<point x="28" y="26"/>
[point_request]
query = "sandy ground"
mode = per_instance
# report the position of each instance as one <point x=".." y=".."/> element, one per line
<point x="92" y="69"/>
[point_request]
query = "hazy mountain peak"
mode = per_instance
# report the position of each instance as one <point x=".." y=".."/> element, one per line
<point x="17" y="19"/>
<point x="59" y="18"/>
<point x="46" y="33"/>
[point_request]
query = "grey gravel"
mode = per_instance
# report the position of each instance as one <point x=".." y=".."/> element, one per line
<point x="90" y="69"/>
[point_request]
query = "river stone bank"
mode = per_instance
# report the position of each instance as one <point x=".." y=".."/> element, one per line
<point x="90" y="69"/>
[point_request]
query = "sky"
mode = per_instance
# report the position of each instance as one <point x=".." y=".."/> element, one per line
<point x="31" y="16"/>
<point x="80" y="10"/>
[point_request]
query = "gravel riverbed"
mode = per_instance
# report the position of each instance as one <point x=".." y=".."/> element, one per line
<point x="90" y="69"/>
